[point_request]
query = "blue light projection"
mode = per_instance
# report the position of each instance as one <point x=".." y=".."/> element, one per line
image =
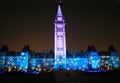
<point x="13" y="61"/>
<point x="19" y="61"/>
<point x="60" y="64"/>
<point x="41" y="63"/>
<point x="2" y="60"/>
<point x="24" y="60"/>
<point x="94" y="60"/>
<point x="77" y="63"/>
<point x="108" y="62"/>
<point x="74" y="61"/>
<point x="115" y="60"/>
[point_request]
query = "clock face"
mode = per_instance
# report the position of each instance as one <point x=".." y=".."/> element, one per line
<point x="59" y="18"/>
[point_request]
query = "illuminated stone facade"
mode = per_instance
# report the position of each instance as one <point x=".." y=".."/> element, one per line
<point x="60" y="40"/>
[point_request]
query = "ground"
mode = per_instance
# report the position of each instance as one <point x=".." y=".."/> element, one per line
<point x="61" y="77"/>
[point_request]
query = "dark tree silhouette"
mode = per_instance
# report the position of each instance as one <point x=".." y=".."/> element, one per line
<point x="4" y="48"/>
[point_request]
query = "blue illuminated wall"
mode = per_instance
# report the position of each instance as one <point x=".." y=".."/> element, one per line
<point x="74" y="61"/>
<point x="77" y="63"/>
<point x="41" y="62"/>
<point x="20" y="61"/>
<point x="24" y="60"/>
<point x="108" y="61"/>
<point x="2" y="60"/>
<point x="12" y="61"/>
<point x="94" y="60"/>
<point x="115" y="60"/>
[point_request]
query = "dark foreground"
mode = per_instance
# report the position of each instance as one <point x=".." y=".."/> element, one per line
<point x="61" y="77"/>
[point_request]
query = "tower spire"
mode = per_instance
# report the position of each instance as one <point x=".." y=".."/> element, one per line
<point x="59" y="12"/>
<point x="60" y="40"/>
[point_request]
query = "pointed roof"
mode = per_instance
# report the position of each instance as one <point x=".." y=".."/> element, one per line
<point x="59" y="12"/>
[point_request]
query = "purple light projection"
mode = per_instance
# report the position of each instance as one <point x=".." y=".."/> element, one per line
<point x="60" y="41"/>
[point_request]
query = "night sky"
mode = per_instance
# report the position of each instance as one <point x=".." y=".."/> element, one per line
<point x="88" y="22"/>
